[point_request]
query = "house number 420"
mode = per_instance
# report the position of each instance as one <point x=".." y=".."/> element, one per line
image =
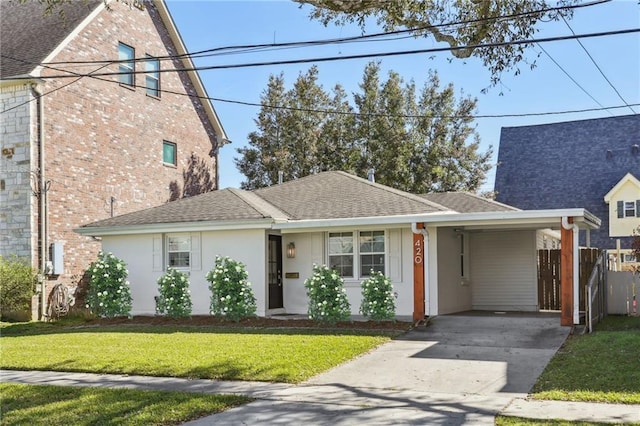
<point x="417" y="252"/>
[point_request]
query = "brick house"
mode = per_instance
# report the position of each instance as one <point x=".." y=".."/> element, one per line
<point x="76" y="150"/>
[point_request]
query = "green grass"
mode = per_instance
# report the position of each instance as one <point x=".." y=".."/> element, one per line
<point x="601" y="367"/>
<point x="59" y="405"/>
<point x="272" y="355"/>
<point x="516" y="421"/>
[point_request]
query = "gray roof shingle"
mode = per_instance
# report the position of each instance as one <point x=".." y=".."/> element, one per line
<point x="568" y="164"/>
<point x="28" y="36"/>
<point x="465" y="202"/>
<point x="335" y="195"/>
<point x="328" y="195"/>
<point x="223" y="205"/>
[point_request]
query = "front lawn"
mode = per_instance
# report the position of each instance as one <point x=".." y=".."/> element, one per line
<point x="274" y="355"/>
<point x="61" y="405"/>
<point x="602" y="367"/>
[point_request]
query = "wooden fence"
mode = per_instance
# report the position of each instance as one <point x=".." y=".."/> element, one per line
<point x="549" y="277"/>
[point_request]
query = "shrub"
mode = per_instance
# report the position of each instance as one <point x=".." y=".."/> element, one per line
<point x="175" y="298"/>
<point x="17" y="280"/>
<point x="327" y="296"/>
<point x="231" y="293"/>
<point x="109" y="294"/>
<point x="377" y="297"/>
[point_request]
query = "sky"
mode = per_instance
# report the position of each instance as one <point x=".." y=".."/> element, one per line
<point x="208" y="24"/>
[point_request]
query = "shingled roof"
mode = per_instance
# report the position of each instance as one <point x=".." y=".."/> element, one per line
<point x="465" y="202"/>
<point x="568" y="164"/>
<point x="327" y="195"/>
<point x="29" y="36"/>
<point x="333" y="195"/>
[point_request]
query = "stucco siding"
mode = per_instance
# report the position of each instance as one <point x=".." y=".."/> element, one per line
<point x="138" y="253"/>
<point x="454" y="293"/>
<point x="503" y="271"/>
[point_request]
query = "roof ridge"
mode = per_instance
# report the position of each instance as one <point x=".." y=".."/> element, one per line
<point x="399" y="192"/>
<point x="259" y="204"/>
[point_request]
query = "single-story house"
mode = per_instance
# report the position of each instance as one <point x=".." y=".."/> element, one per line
<point x="444" y="253"/>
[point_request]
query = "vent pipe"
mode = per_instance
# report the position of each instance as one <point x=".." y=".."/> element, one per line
<point x="280" y="176"/>
<point x="371" y="175"/>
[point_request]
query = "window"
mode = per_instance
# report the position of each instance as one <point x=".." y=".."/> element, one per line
<point x="169" y="153"/>
<point x="341" y="253"/>
<point x="371" y="252"/>
<point x="348" y="258"/>
<point x="629" y="209"/>
<point x="126" y="67"/>
<point x="179" y="251"/>
<point x="152" y="76"/>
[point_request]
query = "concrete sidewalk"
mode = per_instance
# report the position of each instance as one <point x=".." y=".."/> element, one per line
<point x="337" y="404"/>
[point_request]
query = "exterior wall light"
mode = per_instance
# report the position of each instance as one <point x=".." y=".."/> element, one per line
<point x="291" y="250"/>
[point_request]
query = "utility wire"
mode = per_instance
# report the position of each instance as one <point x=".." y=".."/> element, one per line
<point x="359" y="56"/>
<point x="597" y="66"/>
<point x="341" y="40"/>
<point x="571" y="78"/>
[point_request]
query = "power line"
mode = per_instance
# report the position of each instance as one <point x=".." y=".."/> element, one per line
<point x="360" y="38"/>
<point x="359" y="56"/>
<point x="571" y="78"/>
<point x="598" y="67"/>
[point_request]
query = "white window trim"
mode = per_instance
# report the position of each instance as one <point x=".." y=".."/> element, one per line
<point x="155" y="75"/>
<point x="194" y="251"/>
<point x="624" y="209"/>
<point x="356" y="252"/>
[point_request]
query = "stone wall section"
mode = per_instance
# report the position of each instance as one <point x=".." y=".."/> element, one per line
<point x="104" y="140"/>
<point x="17" y="217"/>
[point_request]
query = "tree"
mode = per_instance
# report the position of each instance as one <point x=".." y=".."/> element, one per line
<point x="423" y="144"/>
<point x="429" y="18"/>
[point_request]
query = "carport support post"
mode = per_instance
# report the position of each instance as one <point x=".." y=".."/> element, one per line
<point x="566" y="275"/>
<point x="418" y="274"/>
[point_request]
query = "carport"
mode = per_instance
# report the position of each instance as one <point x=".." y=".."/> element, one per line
<point x="487" y="261"/>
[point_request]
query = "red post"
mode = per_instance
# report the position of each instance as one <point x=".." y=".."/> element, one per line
<point x="418" y="275"/>
<point x="566" y="275"/>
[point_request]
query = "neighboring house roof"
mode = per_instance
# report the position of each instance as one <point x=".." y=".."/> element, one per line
<point x="568" y="164"/>
<point x="30" y="38"/>
<point x="465" y="202"/>
<point x="322" y="201"/>
<point x="331" y="195"/>
<point x="628" y="178"/>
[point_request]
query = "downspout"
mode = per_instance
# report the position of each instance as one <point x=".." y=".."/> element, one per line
<point x="425" y="260"/>
<point x="576" y="277"/>
<point x="43" y="200"/>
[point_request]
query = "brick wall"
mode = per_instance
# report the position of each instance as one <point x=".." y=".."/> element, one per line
<point x="104" y="140"/>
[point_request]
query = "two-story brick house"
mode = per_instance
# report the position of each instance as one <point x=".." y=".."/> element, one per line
<point x="77" y="148"/>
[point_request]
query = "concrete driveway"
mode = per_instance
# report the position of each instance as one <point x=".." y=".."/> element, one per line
<point x="475" y="353"/>
<point x="461" y="369"/>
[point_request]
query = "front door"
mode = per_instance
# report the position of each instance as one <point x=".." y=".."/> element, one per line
<point x="276" y="299"/>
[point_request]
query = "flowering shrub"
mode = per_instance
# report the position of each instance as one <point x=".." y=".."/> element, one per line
<point x="231" y="294"/>
<point x="377" y="297"/>
<point x="175" y="297"/>
<point x="109" y="294"/>
<point x="327" y="296"/>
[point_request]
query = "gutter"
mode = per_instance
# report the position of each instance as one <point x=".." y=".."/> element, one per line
<point x="42" y="237"/>
<point x="576" y="277"/>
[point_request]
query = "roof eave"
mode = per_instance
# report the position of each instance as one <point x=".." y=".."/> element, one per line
<point x="154" y="228"/>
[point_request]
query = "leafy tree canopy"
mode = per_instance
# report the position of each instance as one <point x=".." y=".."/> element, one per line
<point x="481" y="22"/>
